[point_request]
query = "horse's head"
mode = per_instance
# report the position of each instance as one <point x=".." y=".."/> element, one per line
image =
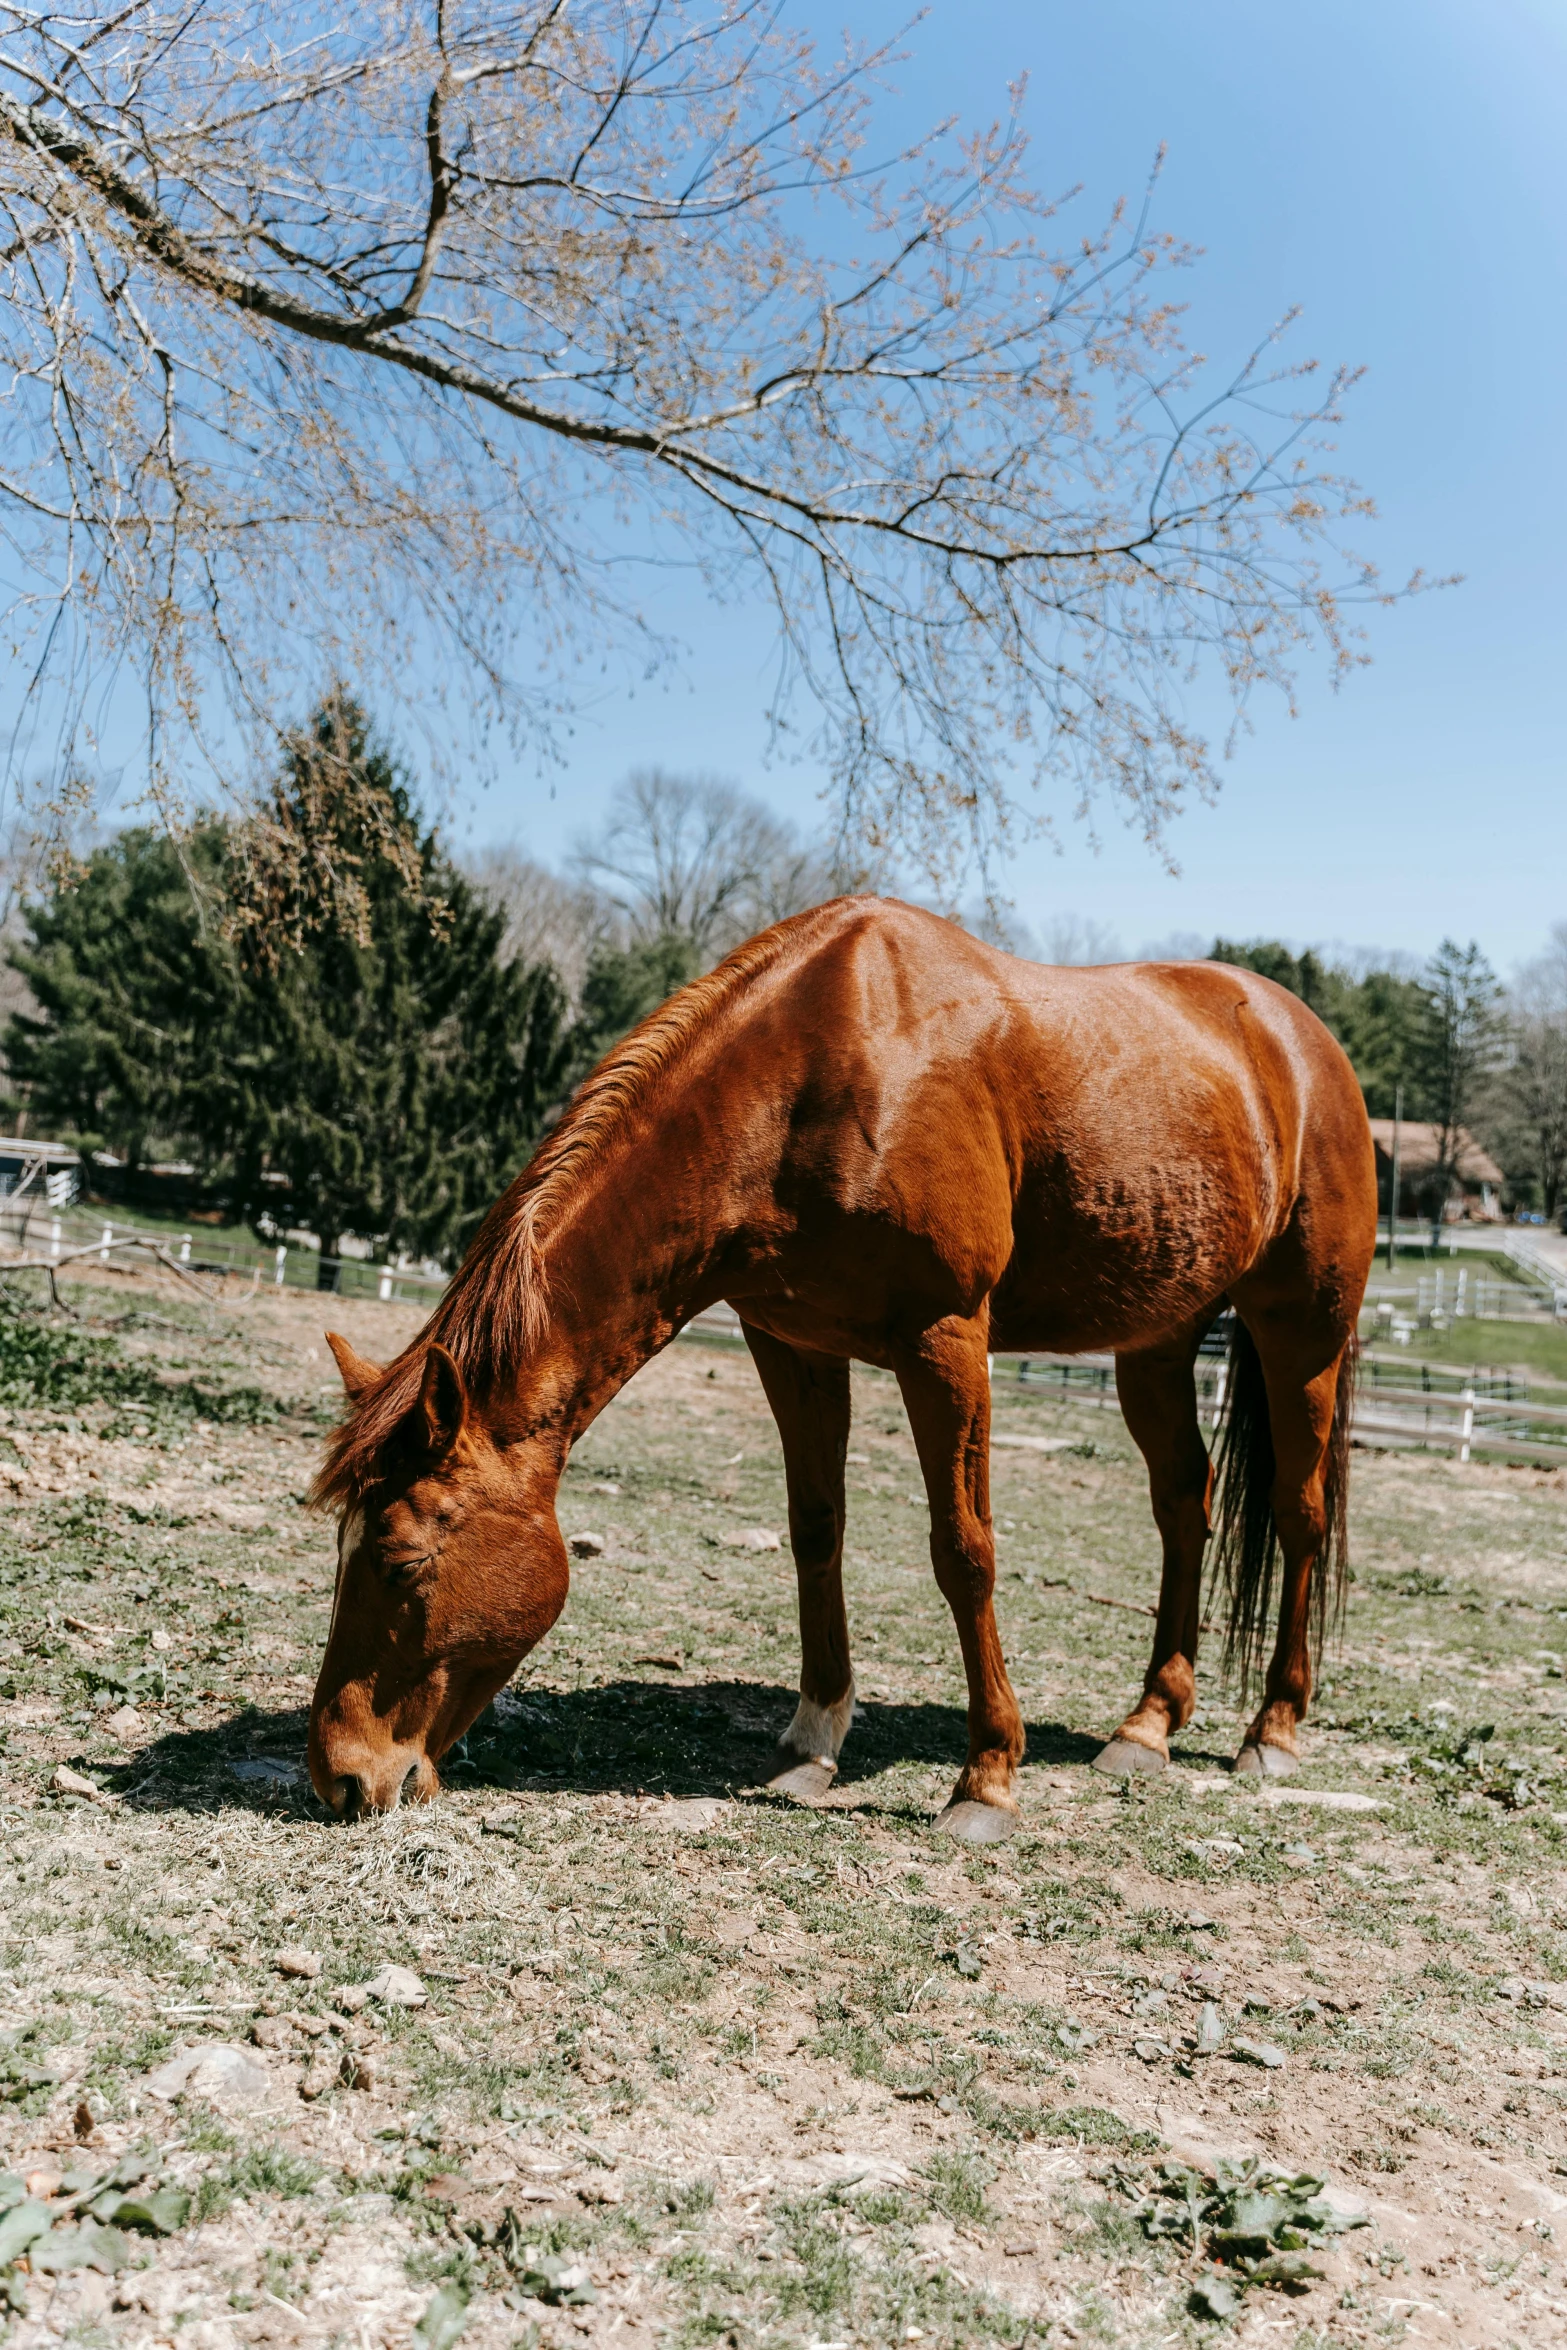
<point x="450" y="1566"/>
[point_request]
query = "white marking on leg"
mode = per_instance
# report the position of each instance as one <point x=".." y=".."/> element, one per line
<point x="818" y="1731"/>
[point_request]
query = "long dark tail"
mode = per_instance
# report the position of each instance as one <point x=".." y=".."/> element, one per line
<point x="1245" y="1538"/>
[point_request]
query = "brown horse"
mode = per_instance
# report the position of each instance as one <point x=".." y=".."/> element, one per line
<point x="880" y="1141"/>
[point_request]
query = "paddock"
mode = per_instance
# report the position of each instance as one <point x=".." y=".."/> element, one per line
<point x="692" y="2064"/>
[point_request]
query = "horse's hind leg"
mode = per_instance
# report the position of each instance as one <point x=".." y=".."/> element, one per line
<point x="946" y="1390"/>
<point x="1159" y="1403"/>
<point x="809" y="1395"/>
<point x="1310" y="1436"/>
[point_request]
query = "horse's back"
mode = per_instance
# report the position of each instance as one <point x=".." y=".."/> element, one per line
<point x="1102" y="1150"/>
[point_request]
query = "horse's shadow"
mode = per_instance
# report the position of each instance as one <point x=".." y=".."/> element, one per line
<point x="623" y="1737"/>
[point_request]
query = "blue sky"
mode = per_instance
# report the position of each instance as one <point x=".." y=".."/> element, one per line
<point x="1396" y="171"/>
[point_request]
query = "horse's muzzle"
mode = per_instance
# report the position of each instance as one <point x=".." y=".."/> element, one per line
<point x="353" y="1784"/>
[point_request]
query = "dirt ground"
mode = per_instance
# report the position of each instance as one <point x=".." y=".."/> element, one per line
<point x="691" y="2065"/>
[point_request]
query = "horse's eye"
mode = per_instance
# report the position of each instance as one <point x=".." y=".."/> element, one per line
<point x="402" y="1567"/>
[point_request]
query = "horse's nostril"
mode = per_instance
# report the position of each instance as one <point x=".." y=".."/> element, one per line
<point x="352" y="1799"/>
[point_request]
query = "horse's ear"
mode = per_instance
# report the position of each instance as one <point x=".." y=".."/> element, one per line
<point x="443" y="1399"/>
<point x="357" y="1373"/>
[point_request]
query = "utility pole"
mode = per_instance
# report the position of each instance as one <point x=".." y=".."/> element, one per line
<point x="1392" y="1197"/>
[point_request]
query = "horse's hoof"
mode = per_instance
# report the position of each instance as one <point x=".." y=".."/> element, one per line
<point x="1266" y="1762"/>
<point x="976" y="1823"/>
<point x="1128" y="1758"/>
<point x="803" y="1781"/>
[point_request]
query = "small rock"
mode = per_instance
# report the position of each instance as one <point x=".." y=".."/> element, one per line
<point x="124" y="1723"/>
<point x="349" y="1998"/>
<point x="586" y="1546"/>
<point x="752" y="1538"/>
<point x="1152" y="2051"/>
<point x="1299" y="1856"/>
<point x="1309" y="2010"/>
<point x="266" y="1767"/>
<point x="1150" y="2002"/>
<point x="1210" y="2030"/>
<point x="272" y="2031"/>
<point x="1260" y="2052"/>
<point x="65" y="1781"/>
<point x="323" y="2072"/>
<point x="1533" y="1994"/>
<point x="604" y="1485"/>
<point x="691" y="1817"/>
<point x="1206" y="1982"/>
<point x="305" y="1964"/>
<point x="1197" y="1921"/>
<point x="43" y="2183"/>
<point x="161" y="1640"/>
<point x="361" y="2070"/>
<point x="217" y="2071"/>
<point x="397" y="1986"/>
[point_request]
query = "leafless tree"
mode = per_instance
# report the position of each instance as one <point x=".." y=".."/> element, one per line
<point x="549" y="919"/>
<point x="392" y="337"/>
<point x="695" y="858"/>
<point x="1078" y="938"/>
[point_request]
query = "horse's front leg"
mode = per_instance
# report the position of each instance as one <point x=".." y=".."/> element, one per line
<point x="946" y="1391"/>
<point x="1159" y="1404"/>
<point x="809" y="1395"/>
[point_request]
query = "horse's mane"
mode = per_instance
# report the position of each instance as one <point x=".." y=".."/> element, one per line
<point x="497" y="1307"/>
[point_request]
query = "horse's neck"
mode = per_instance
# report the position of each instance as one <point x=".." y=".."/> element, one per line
<point x="632" y="1262"/>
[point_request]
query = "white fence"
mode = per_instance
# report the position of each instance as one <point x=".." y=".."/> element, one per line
<point x="33" y="1228"/>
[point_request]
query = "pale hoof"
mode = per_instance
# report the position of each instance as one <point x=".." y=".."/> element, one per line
<point x="976" y="1823"/>
<point x="803" y="1780"/>
<point x="1266" y="1762"/>
<point x="1128" y="1758"/>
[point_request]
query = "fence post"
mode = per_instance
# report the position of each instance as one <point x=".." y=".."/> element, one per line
<point x="386" y="1291"/>
<point x="1466" y="1433"/>
<point x="108" y="1237"/>
<point x="184" y="1248"/>
<point x="54" y="1238"/>
<point x="282" y="1258"/>
<point x="1221" y="1387"/>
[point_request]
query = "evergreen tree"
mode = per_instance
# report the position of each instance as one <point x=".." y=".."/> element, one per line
<point x="312" y="1006"/>
<point x="391" y="1067"/>
<point x="1460" y="1048"/>
<point x="135" y="985"/>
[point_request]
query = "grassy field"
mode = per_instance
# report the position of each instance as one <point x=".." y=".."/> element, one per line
<point x="689" y="2065"/>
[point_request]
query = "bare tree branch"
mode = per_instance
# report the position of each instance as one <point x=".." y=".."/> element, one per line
<point x="387" y="346"/>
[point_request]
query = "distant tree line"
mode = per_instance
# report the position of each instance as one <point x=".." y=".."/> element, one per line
<point x="336" y="1025"/>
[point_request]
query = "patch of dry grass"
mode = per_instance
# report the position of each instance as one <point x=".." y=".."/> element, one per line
<point x="751" y="2073"/>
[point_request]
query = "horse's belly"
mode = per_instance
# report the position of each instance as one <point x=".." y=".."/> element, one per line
<point x="1117" y="1261"/>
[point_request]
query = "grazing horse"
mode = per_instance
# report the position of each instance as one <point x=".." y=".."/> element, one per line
<point x="882" y="1141"/>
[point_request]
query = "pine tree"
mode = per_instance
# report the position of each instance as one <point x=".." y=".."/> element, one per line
<point x="135" y="986"/>
<point x="395" y="1071"/>
<point x="312" y="1006"/>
